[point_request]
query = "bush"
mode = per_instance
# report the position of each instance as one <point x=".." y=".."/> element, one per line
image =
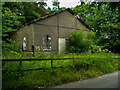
<point x="9" y="47"/>
<point x="96" y="48"/>
<point x="107" y="68"/>
<point x="99" y="49"/>
<point x="80" y="41"/>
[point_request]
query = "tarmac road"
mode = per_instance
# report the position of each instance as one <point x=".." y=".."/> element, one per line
<point x="104" y="81"/>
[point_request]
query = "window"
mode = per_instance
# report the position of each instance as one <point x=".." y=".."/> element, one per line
<point x="24" y="44"/>
<point x="46" y="43"/>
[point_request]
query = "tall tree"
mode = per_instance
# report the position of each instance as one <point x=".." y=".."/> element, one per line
<point x="10" y="20"/>
<point x="18" y="14"/>
<point x="40" y="8"/>
<point x="105" y="21"/>
<point x="56" y="5"/>
<point x="29" y="12"/>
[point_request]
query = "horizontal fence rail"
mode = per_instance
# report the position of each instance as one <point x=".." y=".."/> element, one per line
<point x="9" y="60"/>
<point x="52" y="59"/>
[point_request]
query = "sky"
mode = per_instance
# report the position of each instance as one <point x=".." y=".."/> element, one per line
<point x="64" y="3"/>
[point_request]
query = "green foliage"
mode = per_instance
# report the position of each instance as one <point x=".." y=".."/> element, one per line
<point x="8" y="71"/>
<point x="10" y="21"/>
<point x="55" y="4"/>
<point x="80" y="41"/>
<point x="17" y="14"/>
<point x="96" y="48"/>
<point x="107" y="68"/>
<point x="83" y="68"/>
<point x="29" y="11"/>
<point x="11" y="49"/>
<point x="104" y="19"/>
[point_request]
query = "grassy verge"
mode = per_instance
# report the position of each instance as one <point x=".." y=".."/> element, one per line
<point x="15" y="55"/>
<point x="82" y="69"/>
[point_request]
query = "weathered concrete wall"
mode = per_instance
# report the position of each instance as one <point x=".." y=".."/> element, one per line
<point x="24" y="32"/>
<point x="66" y="19"/>
<point x="40" y="31"/>
<point x="67" y="22"/>
<point x="64" y="32"/>
<point x="49" y="21"/>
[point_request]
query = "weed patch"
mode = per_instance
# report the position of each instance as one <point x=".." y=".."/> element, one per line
<point x="83" y="68"/>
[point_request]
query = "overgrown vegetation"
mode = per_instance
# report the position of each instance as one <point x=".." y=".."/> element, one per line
<point x="102" y="17"/>
<point x="82" y="69"/>
<point x="106" y="40"/>
<point x="81" y="41"/>
<point x="11" y="48"/>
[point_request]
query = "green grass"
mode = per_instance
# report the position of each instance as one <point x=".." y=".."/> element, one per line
<point x="15" y="55"/>
<point x="83" y="68"/>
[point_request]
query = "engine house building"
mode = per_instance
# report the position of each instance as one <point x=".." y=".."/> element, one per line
<point x="49" y="33"/>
